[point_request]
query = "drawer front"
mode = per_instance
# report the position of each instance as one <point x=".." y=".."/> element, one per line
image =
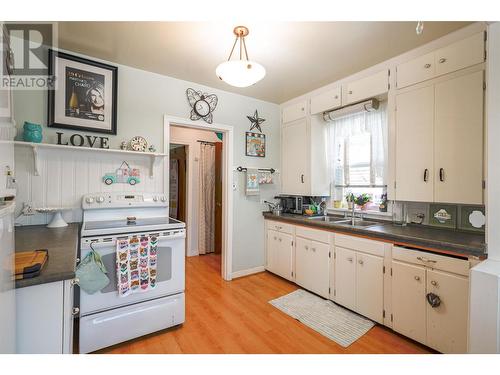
<point x="459" y="55"/>
<point x="294" y="111"/>
<point x="313" y="234"/>
<point x="366" y="88"/>
<point x="326" y="101"/>
<point x="360" y="244"/>
<point x="417" y="70"/>
<point x="280" y="227"/>
<point x="440" y="262"/>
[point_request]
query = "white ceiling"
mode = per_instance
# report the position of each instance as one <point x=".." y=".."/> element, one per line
<point x="298" y="56"/>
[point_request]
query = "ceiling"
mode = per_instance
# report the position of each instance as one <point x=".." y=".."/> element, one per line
<point x="298" y="56"/>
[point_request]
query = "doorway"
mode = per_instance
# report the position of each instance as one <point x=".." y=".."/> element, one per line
<point x="197" y="192"/>
<point x="227" y="132"/>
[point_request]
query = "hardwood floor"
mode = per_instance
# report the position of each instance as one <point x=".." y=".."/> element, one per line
<point x="235" y="317"/>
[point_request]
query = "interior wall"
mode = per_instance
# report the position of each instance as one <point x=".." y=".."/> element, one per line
<point x="143" y="99"/>
<point x="190" y="137"/>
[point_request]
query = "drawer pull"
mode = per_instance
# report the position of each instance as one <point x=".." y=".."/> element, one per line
<point x="442" y="60"/>
<point x="313" y="249"/>
<point x="306" y="247"/>
<point x="427" y="66"/>
<point x="75" y="281"/>
<point x="350" y="92"/>
<point x="280" y="239"/>
<point x="417" y="278"/>
<point x="275" y="238"/>
<point x="360" y="262"/>
<point x="336" y="96"/>
<point x="433" y="299"/>
<point x="349" y="259"/>
<point x="426" y="260"/>
<point x="434" y="283"/>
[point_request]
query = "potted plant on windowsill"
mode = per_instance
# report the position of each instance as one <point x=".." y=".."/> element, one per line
<point x="350" y="200"/>
<point x="361" y="200"/>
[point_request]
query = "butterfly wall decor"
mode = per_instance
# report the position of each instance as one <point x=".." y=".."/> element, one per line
<point x="202" y="105"/>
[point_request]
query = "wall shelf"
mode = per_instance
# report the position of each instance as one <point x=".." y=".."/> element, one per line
<point x="154" y="157"/>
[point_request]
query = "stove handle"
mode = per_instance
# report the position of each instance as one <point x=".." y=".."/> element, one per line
<point x="94" y="245"/>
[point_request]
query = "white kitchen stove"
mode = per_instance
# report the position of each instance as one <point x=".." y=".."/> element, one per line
<point x="106" y="318"/>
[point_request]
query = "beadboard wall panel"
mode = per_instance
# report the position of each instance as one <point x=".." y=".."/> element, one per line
<point x="66" y="175"/>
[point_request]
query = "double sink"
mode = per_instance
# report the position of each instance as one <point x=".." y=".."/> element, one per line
<point x="358" y="223"/>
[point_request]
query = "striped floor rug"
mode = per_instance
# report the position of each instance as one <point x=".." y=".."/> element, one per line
<point x="338" y="324"/>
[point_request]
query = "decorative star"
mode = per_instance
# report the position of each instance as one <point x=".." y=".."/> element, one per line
<point x="256" y="121"/>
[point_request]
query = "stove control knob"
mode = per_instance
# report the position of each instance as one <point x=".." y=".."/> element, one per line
<point x="163" y="198"/>
<point x="155" y="198"/>
<point x="89" y="200"/>
<point x="100" y="199"/>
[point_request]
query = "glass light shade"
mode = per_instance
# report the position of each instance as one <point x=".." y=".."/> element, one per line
<point x="240" y="73"/>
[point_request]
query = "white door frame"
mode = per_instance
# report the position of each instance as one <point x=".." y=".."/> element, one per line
<point x="227" y="193"/>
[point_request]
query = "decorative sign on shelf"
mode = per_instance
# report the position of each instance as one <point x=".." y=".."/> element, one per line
<point x="83" y="141"/>
<point x="255" y="121"/>
<point x="202" y="105"/>
<point x="124" y="174"/>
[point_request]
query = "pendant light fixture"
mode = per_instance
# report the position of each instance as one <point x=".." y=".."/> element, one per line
<point x="242" y="72"/>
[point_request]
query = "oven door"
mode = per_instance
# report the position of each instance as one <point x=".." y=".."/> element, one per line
<point x="170" y="270"/>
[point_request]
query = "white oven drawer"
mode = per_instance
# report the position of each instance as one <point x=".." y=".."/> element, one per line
<point x="108" y="328"/>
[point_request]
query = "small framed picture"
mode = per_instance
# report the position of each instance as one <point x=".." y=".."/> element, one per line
<point x="255" y="144"/>
<point x="85" y="94"/>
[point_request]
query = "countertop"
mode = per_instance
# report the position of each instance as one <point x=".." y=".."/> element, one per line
<point x="62" y="244"/>
<point x="418" y="236"/>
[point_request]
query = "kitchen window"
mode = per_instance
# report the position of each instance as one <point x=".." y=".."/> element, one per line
<point x="358" y="155"/>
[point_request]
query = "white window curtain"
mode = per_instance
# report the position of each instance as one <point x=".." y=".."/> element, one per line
<point x="206" y="207"/>
<point x="358" y="149"/>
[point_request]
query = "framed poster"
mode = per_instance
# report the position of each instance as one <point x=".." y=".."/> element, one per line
<point x="255" y="144"/>
<point x="84" y="96"/>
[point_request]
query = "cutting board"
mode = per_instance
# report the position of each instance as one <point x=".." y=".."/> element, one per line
<point x="30" y="263"/>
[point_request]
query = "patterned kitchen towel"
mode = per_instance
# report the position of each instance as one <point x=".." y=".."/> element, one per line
<point x="252" y="182"/>
<point x="136" y="261"/>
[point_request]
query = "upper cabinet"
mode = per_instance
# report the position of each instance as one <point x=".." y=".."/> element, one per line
<point x="294" y="111"/>
<point x="456" y="56"/>
<point x="365" y="88"/>
<point x="326" y="101"/>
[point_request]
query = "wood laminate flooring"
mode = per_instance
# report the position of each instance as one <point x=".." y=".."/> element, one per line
<point x="235" y="317"/>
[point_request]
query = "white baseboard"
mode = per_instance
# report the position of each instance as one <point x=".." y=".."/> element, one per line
<point x="248" y="271"/>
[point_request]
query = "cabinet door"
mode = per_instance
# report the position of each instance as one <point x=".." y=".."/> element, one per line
<point x="414" y="145"/>
<point x="285" y="255"/>
<point x="294" y="158"/>
<point x="303" y="262"/>
<point x="417" y="70"/>
<point x="294" y="111"/>
<point x="370" y="286"/>
<point x="459" y="140"/>
<point x="461" y="54"/>
<point x="326" y="101"/>
<point x="272" y="251"/>
<point x="447" y="323"/>
<point x="408" y="300"/>
<point x="367" y="87"/>
<point x="319" y="268"/>
<point x="345" y="277"/>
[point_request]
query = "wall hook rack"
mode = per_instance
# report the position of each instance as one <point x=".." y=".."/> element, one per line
<point x="244" y="169"/>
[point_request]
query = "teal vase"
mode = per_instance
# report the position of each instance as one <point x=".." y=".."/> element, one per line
<point x="32" y="132"/>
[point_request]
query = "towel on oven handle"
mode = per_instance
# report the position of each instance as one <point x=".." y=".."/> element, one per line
<point x="91" y="273"/>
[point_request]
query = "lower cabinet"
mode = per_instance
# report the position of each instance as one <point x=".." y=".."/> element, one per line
<point x="280" y="253"/>
<point x="430" y="305"/>
<point x="359" y="282"/>
<point x="312" y="266"/>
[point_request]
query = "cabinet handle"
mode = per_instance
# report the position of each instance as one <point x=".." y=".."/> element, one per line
<point x="313" y="249"/>
<point x="74" y="281"/>
<point x="426" y="260"/>
<point x="75" y="311"/>
<point x="426" y="174"/>
<point x="442" y="60"/>
<point x="336" y="96"/>
<point x="302" y="109"/>
<point x="434" y="283"/>
<point x="350" y="92"/>
<point x="302" y="178"/>
<point x="280" y="239"/>
<point x="360" y="262"/>
<point x="349" y="259"/>
<point x="306" y="247"/>
<point x="275" y="238"/>
<point x="417" y="278"/>
<point x="427" y="66"/>
<point x="441" y="174"/>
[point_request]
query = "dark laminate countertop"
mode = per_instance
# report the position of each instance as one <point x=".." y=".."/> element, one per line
<point x="62" y="244"/>
<point x="422" y="237"/>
